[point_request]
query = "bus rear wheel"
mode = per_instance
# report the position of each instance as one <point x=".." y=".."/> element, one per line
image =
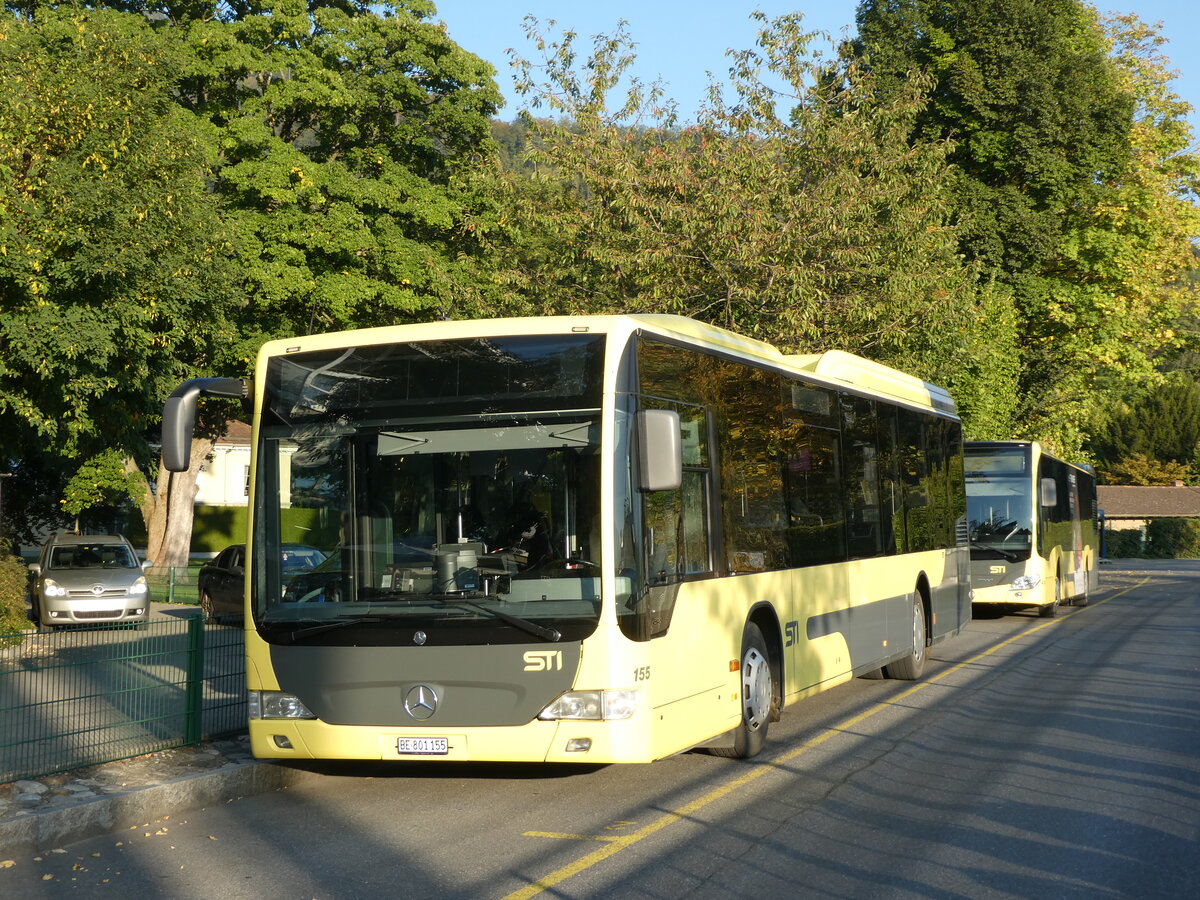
<point x="910" y="667"/>
<point x="757" y="696"/>
<point x="1050" y="610"/>
<point x="1082" y="599"/>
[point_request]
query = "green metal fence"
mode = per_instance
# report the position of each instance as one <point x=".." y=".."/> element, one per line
<point x="174" y="584"/>
<point x="79" y="697"/>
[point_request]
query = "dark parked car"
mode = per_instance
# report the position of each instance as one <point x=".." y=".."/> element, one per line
<point x="88" y="579"/>
<point x="222" y="581"/>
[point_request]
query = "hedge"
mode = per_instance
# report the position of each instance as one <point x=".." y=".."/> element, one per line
<point x="14" y="585"/>
<point x="216" y="527"/>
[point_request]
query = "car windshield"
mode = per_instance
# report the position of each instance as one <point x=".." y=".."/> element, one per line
<point x="92" y="556"/>
<point x="463" y="506"/>
<point x="300" y="559"/>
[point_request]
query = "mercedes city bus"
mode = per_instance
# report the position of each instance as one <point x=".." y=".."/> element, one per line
<point x="1033" y="521"/>
<point x="581" y="539"/>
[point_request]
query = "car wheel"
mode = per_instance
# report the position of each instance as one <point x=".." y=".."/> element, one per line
<point x="206" y="605"/>
<point x="757" y="695"/>
<point x="39" y="619"/>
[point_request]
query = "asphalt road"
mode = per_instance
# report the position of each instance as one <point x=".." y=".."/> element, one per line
<point x="1038" y="758"/>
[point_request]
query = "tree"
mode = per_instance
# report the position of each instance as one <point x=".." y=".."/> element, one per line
<point x="111" y="251"/>
<point x="1159" y="429"/>
<point x="799" y="215"/>
<point x="115" y="280"/>
<point x="1138" y="468"/>
<point x="304" y="180"/>
<point x="1067" y="147"/>
<point x="105" y="479"/>
<point x="341" y="127"/>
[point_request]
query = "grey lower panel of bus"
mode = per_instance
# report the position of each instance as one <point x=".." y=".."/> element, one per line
<point x="865" y="627"/>
<point x="507" y="684"/>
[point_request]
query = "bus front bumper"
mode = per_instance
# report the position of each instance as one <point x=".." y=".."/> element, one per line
<point x="1003" y="594"/>
<point x="559" y="742"/>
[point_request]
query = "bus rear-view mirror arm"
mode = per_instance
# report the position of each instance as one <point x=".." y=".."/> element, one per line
<point x="179" y="415"/>
<point x="660" y="450"/>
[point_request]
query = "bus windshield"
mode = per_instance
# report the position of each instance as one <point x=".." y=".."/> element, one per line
<point x="1000" y="504"/>
<point x="452" y="485"/>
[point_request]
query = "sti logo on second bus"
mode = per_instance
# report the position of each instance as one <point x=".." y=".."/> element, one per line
<point x="543" y="660"/>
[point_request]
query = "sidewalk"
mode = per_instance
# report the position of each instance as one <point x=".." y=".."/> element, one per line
<point x="38" y="815"/>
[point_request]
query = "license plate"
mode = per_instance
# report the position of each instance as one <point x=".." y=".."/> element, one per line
<point x="432" y="746"/>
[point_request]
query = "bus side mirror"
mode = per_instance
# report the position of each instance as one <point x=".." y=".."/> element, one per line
<point x="1049" y="492"/>
<point x="659" y="450"/>
<point x="179" y="416"/>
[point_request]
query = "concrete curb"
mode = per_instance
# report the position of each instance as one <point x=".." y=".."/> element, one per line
<point x="42" y="830"/>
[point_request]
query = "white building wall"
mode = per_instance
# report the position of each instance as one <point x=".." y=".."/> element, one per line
<point x="224" y="477"/>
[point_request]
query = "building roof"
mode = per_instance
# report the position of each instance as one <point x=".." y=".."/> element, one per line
<point x="1119" y="501"/>
<point x="235" y="433"/>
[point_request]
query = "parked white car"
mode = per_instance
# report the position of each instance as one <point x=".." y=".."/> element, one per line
<point x="89" y="579"/>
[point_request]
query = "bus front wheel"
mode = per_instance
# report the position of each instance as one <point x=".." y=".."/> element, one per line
<point x="757" y="696"/>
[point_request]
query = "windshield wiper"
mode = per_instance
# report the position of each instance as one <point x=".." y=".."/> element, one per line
<point x="292" y="636"/>
<point x="1004" y="554"/>
<point x="542" y="631"/>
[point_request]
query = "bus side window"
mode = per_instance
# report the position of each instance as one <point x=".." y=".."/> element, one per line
<point x="676" y="522"/>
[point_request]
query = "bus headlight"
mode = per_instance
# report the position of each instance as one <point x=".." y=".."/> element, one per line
<point x="1025" y="583"/>
<point x="277" y="705"/>
<point x="592" y="705"/>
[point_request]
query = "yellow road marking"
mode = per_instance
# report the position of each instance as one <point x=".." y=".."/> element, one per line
<point x="568" y="837"/>
<point x="615" y="845"/>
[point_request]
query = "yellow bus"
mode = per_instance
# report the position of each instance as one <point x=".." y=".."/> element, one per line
<point x="581" y="539"/>
<point x="1034" y="527"/>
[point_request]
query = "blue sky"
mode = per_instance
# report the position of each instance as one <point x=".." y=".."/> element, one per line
<point x="680" y="40"/>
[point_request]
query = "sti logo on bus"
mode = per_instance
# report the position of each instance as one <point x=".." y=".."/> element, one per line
<point x="543" y="660"/>
<point x="997" y="570"/>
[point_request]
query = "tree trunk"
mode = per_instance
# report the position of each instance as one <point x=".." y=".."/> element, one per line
<point x="168" y="511"/>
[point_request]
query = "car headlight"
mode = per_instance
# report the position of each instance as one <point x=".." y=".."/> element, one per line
<point x="138" y="587"/>
<point x="52" y="588"/>
<point x="1025" y="583"/>
<point x="593" y="705"/>
<point x="277" y="705"/>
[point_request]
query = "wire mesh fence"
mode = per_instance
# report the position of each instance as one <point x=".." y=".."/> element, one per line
<point x="174" y="584"/>
<point x="79" y="697"/>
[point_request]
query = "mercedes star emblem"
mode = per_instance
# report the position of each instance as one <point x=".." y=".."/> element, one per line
<point x="421" y="701"/>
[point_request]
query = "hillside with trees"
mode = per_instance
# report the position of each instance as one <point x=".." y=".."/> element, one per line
<point x="997" y="196"/>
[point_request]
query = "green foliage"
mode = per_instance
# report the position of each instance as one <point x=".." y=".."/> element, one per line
<point x="1128" y="543"/>
<point x="1161" y="427"/>
<point x="1073" y="176"/>
<point x="803" y="218"/>
<point x="1139" y="469"/>
<point x="340" y="129"/>
<point x="112" y="260"/>
<point x="173" y="191"/>
<point x="1173" y="539"/>
<point x="103" y="480"/>
<point x="14" y="584"/>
